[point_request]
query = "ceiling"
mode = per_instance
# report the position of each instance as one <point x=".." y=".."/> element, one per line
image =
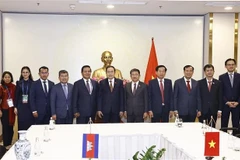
<point x="153" y="7"/>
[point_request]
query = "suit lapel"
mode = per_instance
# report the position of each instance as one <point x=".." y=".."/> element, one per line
<point x="138" y="89"/>
<point x="129" y="88"/>
<point x="84" y="85"/>
<point x="185" y="86"/>
<point x="40" y="84"/>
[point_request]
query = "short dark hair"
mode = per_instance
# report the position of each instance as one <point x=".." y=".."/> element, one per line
<point x="4" y="73"/>
<point x="29" y="70"/>
<point x="62" y="72"/>
<point x="111" y="67"/>
<point x="230" y="59"/>
<point x="43" y="67"/>
<point x="208" y="66"/>
<point x="161" y="66"/>
<point x="86" y="66"/>
<point x="135" y="70"/>
<point x="188" y="66"/>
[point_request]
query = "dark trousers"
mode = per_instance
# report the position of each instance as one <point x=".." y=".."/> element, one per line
<point x="84" y="119"/>
<point x="42" y="119"/>
<point x="207" y="117"/>
<point x="225" y="116"/>
<point x="135" y="118"/>
<point x="188" y="118"/>
<point x="111" y="118"/>
<point x="7" y="130"/>
<point x="24" y="125"/>
<point x="67" y="120"/>
<point x="161" y="117"/>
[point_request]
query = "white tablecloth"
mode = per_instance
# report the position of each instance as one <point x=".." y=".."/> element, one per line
<point x="122" y="141"/>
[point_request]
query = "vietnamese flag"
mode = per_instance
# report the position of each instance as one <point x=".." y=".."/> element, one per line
<point x="211" y="144"/>
<point x="152" y="64"/>
<point x="90" y="146"/>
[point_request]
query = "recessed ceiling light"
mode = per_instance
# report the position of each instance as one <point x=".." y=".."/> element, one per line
<point x="110" y="6"/>
<point x="228" y="8"/>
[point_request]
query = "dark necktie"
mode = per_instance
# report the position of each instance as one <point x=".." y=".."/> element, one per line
<point x="188" y="86"/>
<point x="45" y="87"/>
<point x="162" y="90"/>
<point x="134" y="88"/>
<point x="88" y="86"/>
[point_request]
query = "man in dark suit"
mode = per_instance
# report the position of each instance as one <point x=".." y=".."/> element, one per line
<point x="61" y="95"/>
<point x="231" y="94"/>
<point x="211" y="96"/>
<point x="160" y="96"/>
<point x="187" y="101"/>
<point x="40" y="97"/>
<point x="136" y="98"/>
<point x="84" y="101"/>
<point x="110" y="100"/>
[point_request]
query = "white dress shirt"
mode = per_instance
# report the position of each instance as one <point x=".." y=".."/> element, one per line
<point x="136" y="85"/>
<point x="43" y="84"/>
<point x="190" y="82"/>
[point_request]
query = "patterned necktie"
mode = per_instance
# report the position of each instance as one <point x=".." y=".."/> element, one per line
<point x="65" y="90"/>
<point x="110" y="85"/>
<point x="134" y="88"/>
<point x="88" y="86"/>
<point x="231" y="79"/>
<point x="188" y="86"/>
<point x="162" y="90"/>
<point x="45" y="87"/>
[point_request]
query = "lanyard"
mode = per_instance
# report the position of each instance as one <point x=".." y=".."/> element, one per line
<point x="24" y="93"/>
<point x="9" y="94"/>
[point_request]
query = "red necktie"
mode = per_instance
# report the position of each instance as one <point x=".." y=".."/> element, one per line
<point x="162" y="90"/>
<point x="209" y="85"/>
<point x="188" y="86"/>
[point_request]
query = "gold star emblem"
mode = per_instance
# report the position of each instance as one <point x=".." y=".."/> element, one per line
<point x="212" y="144"/>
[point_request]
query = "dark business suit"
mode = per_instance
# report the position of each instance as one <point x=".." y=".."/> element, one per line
<point x="211" y="100"/>
<point x="230" y="94"/>
<point x="40" y="102"/>
<point x="160" y="110"/>
<point x="187" y="103"/>
<point x="136" y="104"/>
<point x="111" y="103"/>
<point x="84" y="102"/>
<point x="61" y="105"/>
<point x="25" y="116"/>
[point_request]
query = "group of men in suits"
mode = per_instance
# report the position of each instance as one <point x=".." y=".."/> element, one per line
<point x="207" y="99"/>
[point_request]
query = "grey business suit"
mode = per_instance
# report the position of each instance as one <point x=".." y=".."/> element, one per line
<point x="61" y="105"/>
<point x="187" y="103"/>
<point x="137" y="104"/>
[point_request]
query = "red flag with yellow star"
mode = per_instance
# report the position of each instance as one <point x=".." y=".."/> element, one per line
<point x="152" y="64"/>
<point x="211" y="144"/>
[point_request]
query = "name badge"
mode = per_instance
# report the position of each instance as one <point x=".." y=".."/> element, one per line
<point x="10" y="102"/>
<point x="24" y="98"/>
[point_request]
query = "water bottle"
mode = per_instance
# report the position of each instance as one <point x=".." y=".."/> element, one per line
<point x="176" y="120"/>
<point x="46" y="134"/>
<point x="37" y="147"/>
<point x="51" y="124"/>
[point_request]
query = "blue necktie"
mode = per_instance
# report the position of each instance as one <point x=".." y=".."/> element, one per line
<point x="45" y="87"/>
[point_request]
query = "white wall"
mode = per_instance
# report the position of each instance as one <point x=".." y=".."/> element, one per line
<point x="223" y="40"/>
<point x="70" y="41"/>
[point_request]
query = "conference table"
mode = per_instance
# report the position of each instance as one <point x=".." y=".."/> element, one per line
<point x="122" y="141"/>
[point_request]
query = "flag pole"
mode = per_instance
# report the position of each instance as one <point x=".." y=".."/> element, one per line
<point x="90" y="129"/>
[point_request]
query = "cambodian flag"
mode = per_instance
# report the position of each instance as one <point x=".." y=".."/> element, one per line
<point x="90" y="146"/>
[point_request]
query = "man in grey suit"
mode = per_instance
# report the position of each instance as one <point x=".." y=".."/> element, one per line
<point x="187" y="101"/>
<point x="136" y="98"/>
<point x="61" y="96"/>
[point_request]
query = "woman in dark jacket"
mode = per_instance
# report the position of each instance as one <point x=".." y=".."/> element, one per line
<point x="22" y="105"/>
